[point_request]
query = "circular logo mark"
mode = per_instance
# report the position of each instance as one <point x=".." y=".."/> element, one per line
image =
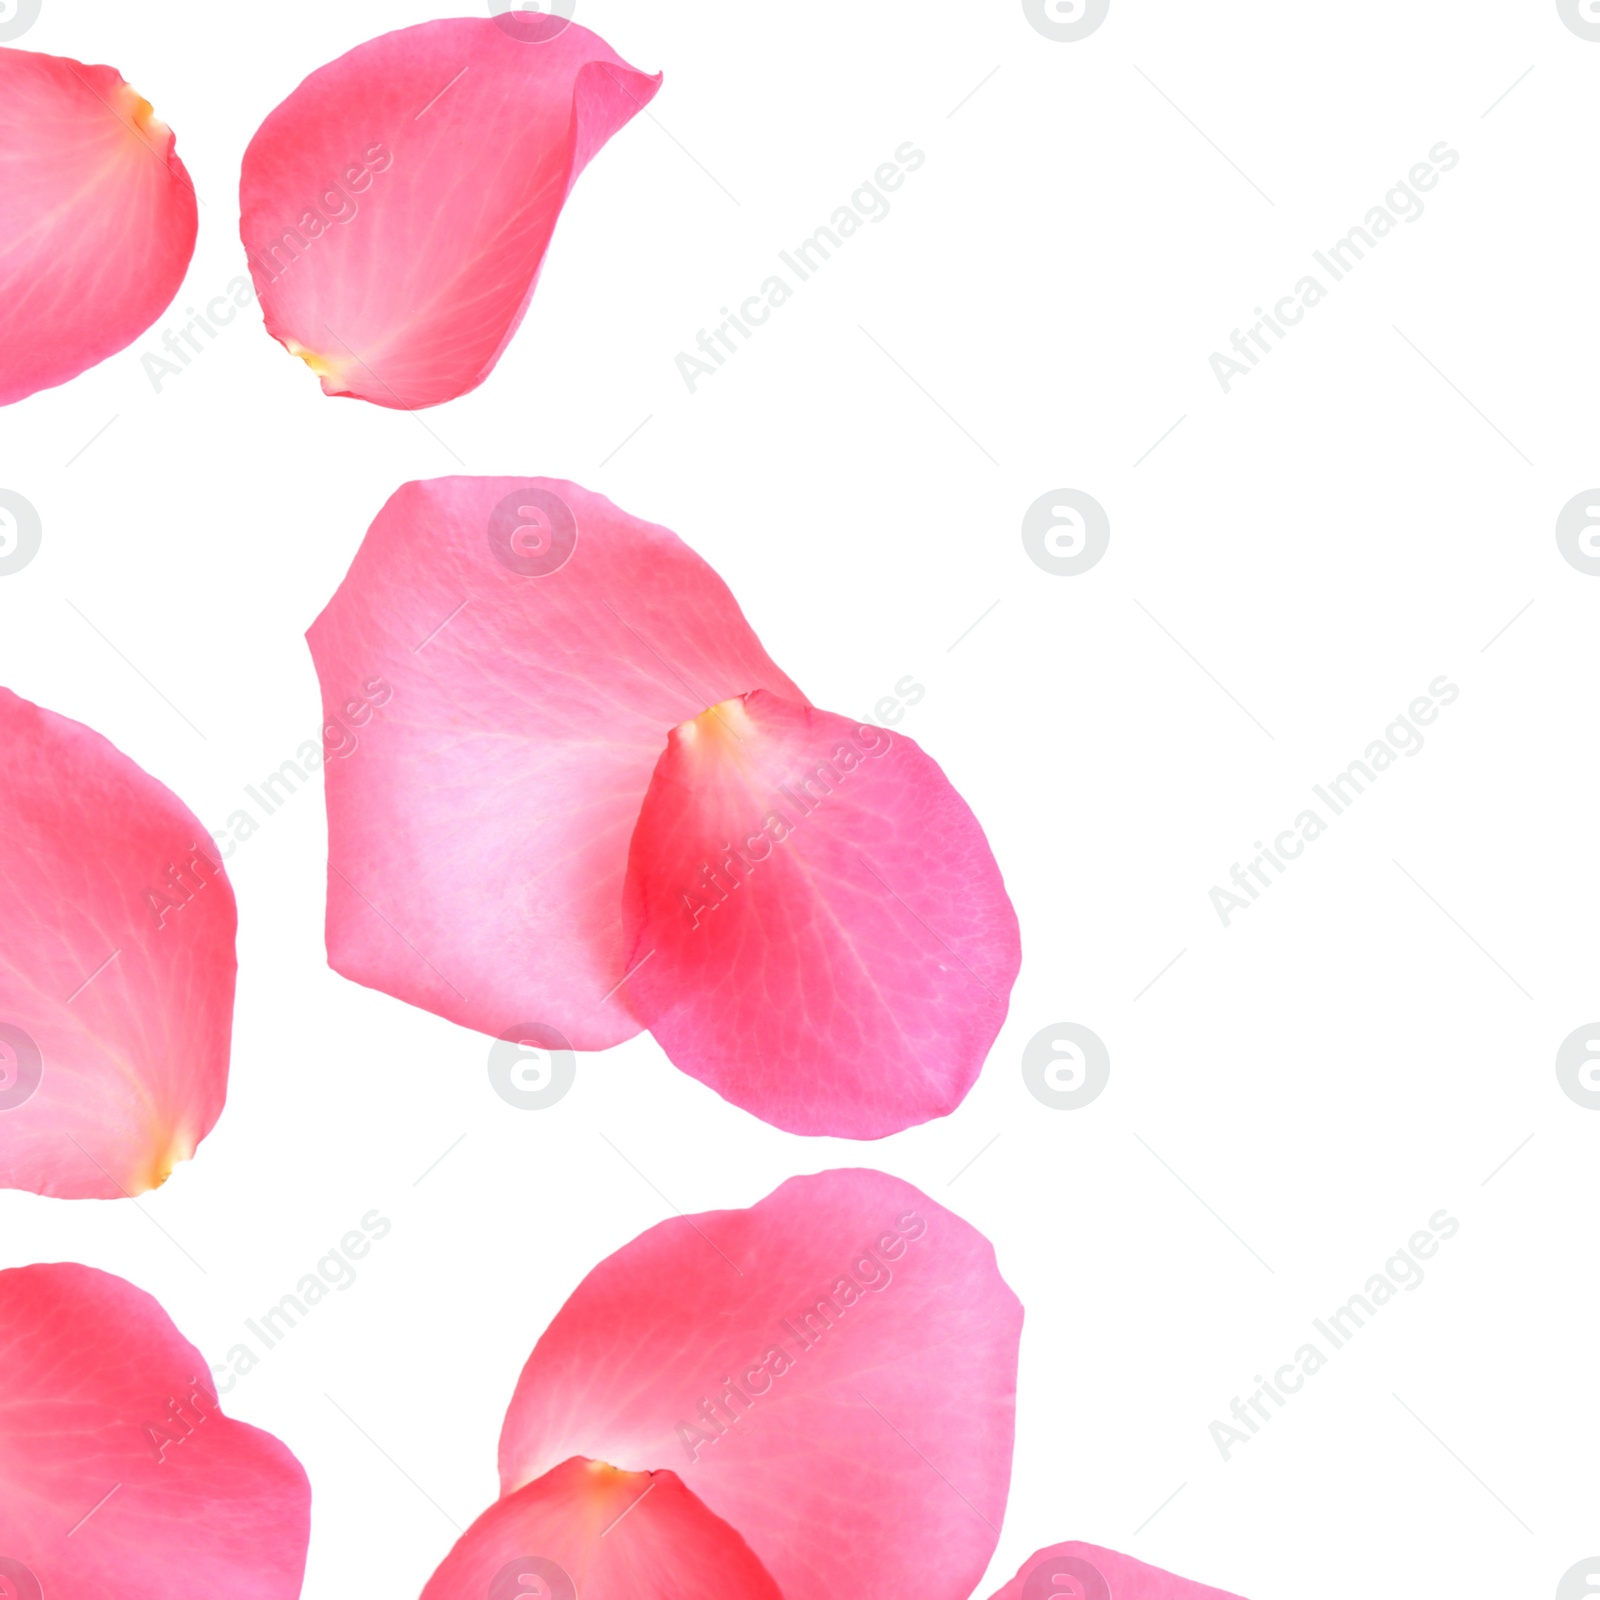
<point x="532" y="1578"/>
<point x="1578" y="530"/>
<point x="1065" y="532"/>
<point x="1582" y="16"/>
<point x="1578" y="1066"/>
<point x="533" y="21"/>
<point x="1582" y="1583"/>
<point x="531" y="1067"/>
<point x="1066" y="1578"/>
<point x="1066" y="21"/>
<point x="16" y="17"/>
<point x="17" y="1582"/>
<point x="21" y="532"/>
<point x="21" y="1073"/>
<point x="1065" y="1066"/>
<point x="533" y="532"/>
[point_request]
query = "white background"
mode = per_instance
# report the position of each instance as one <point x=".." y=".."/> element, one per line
<point x="1294" y="1095"/>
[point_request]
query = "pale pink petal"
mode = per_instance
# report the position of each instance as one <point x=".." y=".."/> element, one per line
<point x="116" y="966"/>
<point x="97" y="219"/>
<point x="499" y="670"/>
<point x="1075" y="1571"/>
<point x="119" y="1474"/>
<point x="831" y="1371"/>
<point x="816" y="926"/>
<point x="398" y="205"/>
<point x="587" y="1529"/>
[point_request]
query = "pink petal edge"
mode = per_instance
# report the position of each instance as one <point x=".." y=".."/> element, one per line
<point x="832" y="1371"/>
<point x="816" y="926"/>
<point x="1074" y="1571"/>
<point x="499" y="670"/>
<point x="397" y="207"/>
<point x="97" y="219"/>
<point x="116" y="971"/>
<point x="119" y="1474"/>
<point x="586" y="1528"/>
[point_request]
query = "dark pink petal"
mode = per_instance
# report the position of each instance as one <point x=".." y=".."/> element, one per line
<point x="1075" y="1571"/>
<point x="398" y="205"/>
<point x="119" y="1474"/>
<point x="586" y="1528"/>
<point x="832" y="1372"/>
<point x="499" y="669"/>
<point x="97" y="219"/>
<point x="116" y="966"/>
<point x="816" y="927"/>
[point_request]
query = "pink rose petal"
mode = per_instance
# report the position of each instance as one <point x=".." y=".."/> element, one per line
<point x="398" y="205"/>
<point x="119" y="1474"/>
<point x="816" y="926"/>
<point x="116" y="969"/>
<point x="586" y="1528"/>
<point x="831" y="1371"/>
<point x="97" y="219"/>
<point x="499" y="669"/>
<point x="1075" y="1571"/>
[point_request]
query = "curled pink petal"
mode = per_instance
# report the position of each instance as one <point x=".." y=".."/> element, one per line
<point x="119" y="1474"/>
<point x="816" y="926"/>
<point x="499" y="669"/>
<point x="1075" y="1571"/>
<point x="97" y="219"/>
<point x="398" y="205"/>
<point x="586" y="1528"/>
<point x="116" y="966"/>
<point x="832" y="1371"/>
